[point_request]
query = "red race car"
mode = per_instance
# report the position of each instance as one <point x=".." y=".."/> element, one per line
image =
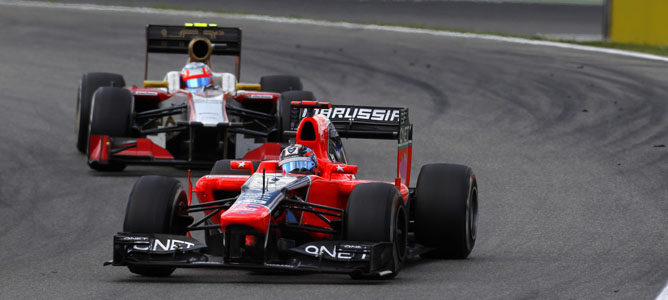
<point x="306" y="211"/>
<point x="193" y="117"/>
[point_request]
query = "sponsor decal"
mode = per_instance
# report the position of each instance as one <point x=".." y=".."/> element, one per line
<point x="405" y="134"/>
<point x="356" y="247"/>
<point x="134" y="238"/>
<point x="351" y="113"/>
<point x="330" y="252"/>
<point x="166" y="245"/>
<point x="183" y="33"/>
<point x="279" y="265"/>
<point x="247" y="208"/>
<point x="260" y="96"/>
<point x="145" y="93"/>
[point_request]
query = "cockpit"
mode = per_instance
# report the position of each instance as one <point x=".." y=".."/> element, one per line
<point x="335" y="149"/>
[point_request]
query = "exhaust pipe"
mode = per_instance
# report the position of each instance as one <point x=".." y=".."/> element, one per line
<point x="199" y="50"/>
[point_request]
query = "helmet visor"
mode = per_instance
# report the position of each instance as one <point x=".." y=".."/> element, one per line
<point x="298" y="166"/>
<point x="198" y="82"/>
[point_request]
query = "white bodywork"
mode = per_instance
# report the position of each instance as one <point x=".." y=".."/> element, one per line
<point x="226" y="81"/>
<point x="209" y="108"/>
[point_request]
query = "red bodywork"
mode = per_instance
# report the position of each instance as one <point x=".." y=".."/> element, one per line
<point x="100" y="147"/>
<point x="330" y="186"/>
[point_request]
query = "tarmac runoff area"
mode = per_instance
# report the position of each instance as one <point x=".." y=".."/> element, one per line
<point x="568" y="147"/>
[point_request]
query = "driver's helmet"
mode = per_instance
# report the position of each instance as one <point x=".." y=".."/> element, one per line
<point x="298" y="159"/>
<point x="196" y="75"/>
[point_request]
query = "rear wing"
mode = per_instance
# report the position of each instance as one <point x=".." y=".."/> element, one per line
<point x="175" y="39"/>
<point x="364" y="122"/>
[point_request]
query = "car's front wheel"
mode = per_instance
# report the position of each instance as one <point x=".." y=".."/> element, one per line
<point x="89" y="83"/>
<point x="156" y="205"/>
<point x="376" y="213"/>
<point x="111" y="115"/>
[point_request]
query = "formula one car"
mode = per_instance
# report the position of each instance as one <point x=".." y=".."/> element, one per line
<point x="305" y="213"/>
<point x="191" y="118"/>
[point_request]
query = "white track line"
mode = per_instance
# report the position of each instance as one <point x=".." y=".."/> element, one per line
<point x="346" y="25"/>
<point x="664" y="293"/>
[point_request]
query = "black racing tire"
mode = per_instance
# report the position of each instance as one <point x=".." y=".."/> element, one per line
<point x="280" y="83"/>
<point x="156" y="205"/>
<point x="222" y="167"/>
<point x="283" y="113"/>
<point x="111" y="115"/>
<point x="446" y="210"/>
<point x="376" y="213"/>
<point x="111" y="112"/>
<point x="88" y="84"/>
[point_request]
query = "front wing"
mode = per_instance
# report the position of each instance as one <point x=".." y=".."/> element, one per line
<point x="320" y="256"/>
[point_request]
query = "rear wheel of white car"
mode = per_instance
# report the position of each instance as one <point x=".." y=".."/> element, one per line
<point x="283" y="113"/>
<point x="111" y="115"/>
<point x="446" y="210"/>
<point x="156" y="205"/>
<point x="376" y="213"/>
<point x="89" y="83"/>
<point x="280" y="83"/>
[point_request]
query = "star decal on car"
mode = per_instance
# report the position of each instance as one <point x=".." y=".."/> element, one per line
<point x="241" y="165"/>
<point x="339" y="168"/>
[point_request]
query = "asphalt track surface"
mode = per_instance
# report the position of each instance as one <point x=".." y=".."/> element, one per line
<point x="566" y="146"/>
<point x="558" y="20"/>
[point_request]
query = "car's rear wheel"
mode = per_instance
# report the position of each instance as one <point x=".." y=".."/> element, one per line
<point x="111" y="115"/>
<point x="446" y="210"/>
<point x="283" y="113"/>
<point x="376" y="213"/>
<point x="89" y="83"/>
<point x="156" y="205"/>
<point x="280" y="83"/>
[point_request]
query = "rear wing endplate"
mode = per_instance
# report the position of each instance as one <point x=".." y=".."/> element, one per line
<point x="175" y="39"/>
<point x="365" y="122"/>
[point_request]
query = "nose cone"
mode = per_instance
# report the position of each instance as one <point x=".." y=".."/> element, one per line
<point x="253" y="215"/>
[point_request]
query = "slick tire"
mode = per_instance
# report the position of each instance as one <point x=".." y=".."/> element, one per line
<point x="376" y="213"/>
<point x="111" y="115"/>
<point x="283" y="113"/>
<point x="111" y="112"/>
<point x="446" y="210"/>
<point x="89" y="83"/>
<point x="156" y="205"/>
<point x="280" y="83"/>
<point x="222" y="167"/>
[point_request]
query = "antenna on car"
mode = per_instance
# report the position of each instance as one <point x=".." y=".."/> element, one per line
<point x="263" y="180"/>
